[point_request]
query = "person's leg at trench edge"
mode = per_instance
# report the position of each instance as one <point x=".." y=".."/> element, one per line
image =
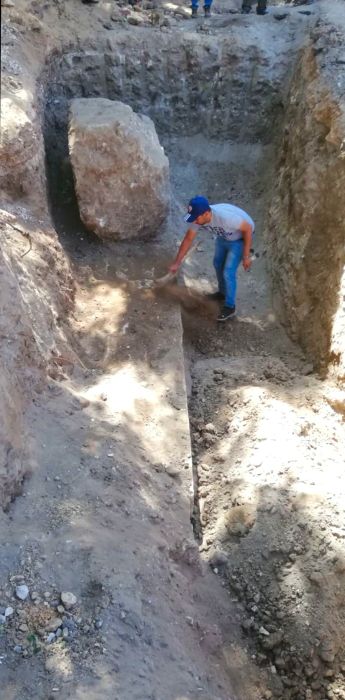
<point x="233" y="257"/>
<point x="207" y="7"/>
<point x="261" y="8"/>
<point x="195" y="5"/>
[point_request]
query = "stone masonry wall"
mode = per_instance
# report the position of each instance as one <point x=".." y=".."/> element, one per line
<point x="223" y="87"/>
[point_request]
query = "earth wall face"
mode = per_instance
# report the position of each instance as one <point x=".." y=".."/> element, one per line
<point x="306" y="232"/>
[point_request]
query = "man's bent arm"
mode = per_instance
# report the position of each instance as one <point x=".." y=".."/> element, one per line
<point x="183" y="249"/>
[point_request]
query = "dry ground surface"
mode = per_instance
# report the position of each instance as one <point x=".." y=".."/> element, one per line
<point x="136" y="431"/>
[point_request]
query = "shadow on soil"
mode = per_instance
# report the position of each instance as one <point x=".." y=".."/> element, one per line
<point x="268" y="514"/>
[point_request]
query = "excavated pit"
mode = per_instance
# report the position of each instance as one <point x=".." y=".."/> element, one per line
<point x="218" y="106"/>
<point x="218" y="110"/>
<point x="213" y="105"/>
<point x="93" y="402"/>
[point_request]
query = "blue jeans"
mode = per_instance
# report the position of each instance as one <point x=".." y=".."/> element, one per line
<point x="227" y="257"/>
<point x="195" y="3"/>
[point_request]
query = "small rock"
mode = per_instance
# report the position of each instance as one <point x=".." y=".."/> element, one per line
<point x="53" y="624"/>
<point x="136" y="19"/>
<point x="326" y="651"/>
<point x="9" y="611"/>
<point x="7" y="3"/>
<point x="316" y="577"/>
<point x="172" y="471"/>
<point x="23" y="627"/>
<point x="22" y="592"/>
<point x="247" y="624"/>
<point x="316" y="685"/>
<point x="51" y="637"/>
<point x="264" y="632"/>
<point x="65" y="632"/>
<point x="218" y="558"/>
<point x="60" y="609"/>
<point x="210" y="428"/>
<point x="98" y="624"/>
<point x="2" y="619"/>
<point x="339" y="565"/>
<point x="272" y="641"/>
<point x="309" y="671"/>
<point x="327" y="656"/>
<point x="68" y="599"/>
<point x="51" y="664"/>
<point x="34" y="595"/>
<point x="17" y="649"/>
<point x="70" y="624"/>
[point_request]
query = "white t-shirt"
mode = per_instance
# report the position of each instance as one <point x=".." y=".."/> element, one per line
<point x="225" y="222"/>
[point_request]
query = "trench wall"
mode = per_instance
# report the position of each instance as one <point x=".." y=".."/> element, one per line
<point x="306" y="235"/>
<point x="220" y="87"/>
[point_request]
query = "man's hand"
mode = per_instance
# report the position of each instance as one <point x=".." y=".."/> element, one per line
<point x="247" y="263"/>
<point x="183" y="250"/>
<point x="174" y="267"/>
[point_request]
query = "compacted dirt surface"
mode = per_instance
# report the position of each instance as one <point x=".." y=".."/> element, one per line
<point x="179" y="533"/>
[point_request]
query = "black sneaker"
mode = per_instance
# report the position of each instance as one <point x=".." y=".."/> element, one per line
<point x="246" y="9"/>
<point x="216" y="296"/>
<point x="227" y="312"/>
<point x="262" y="11"/>
<point x="207" y="11"/>
<point x="194" y="12"/>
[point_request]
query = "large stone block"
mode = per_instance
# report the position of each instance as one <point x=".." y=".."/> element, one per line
<point x="120" y="169"/>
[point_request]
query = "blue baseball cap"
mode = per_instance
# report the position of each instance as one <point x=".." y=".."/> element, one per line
<point x="196" y="207"/>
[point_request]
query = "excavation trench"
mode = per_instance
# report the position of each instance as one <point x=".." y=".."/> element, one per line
<point x="213" y="109"/>
<point x="125" y="397"/>
<point x="217" y="107"/>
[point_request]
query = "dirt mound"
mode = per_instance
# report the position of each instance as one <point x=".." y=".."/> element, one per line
<point x="190" y="300"/>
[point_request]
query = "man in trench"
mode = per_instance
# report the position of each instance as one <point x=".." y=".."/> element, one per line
<point x="233" y="229"/>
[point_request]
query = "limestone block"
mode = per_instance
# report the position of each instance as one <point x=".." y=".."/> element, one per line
<point x="120" y="169"/>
